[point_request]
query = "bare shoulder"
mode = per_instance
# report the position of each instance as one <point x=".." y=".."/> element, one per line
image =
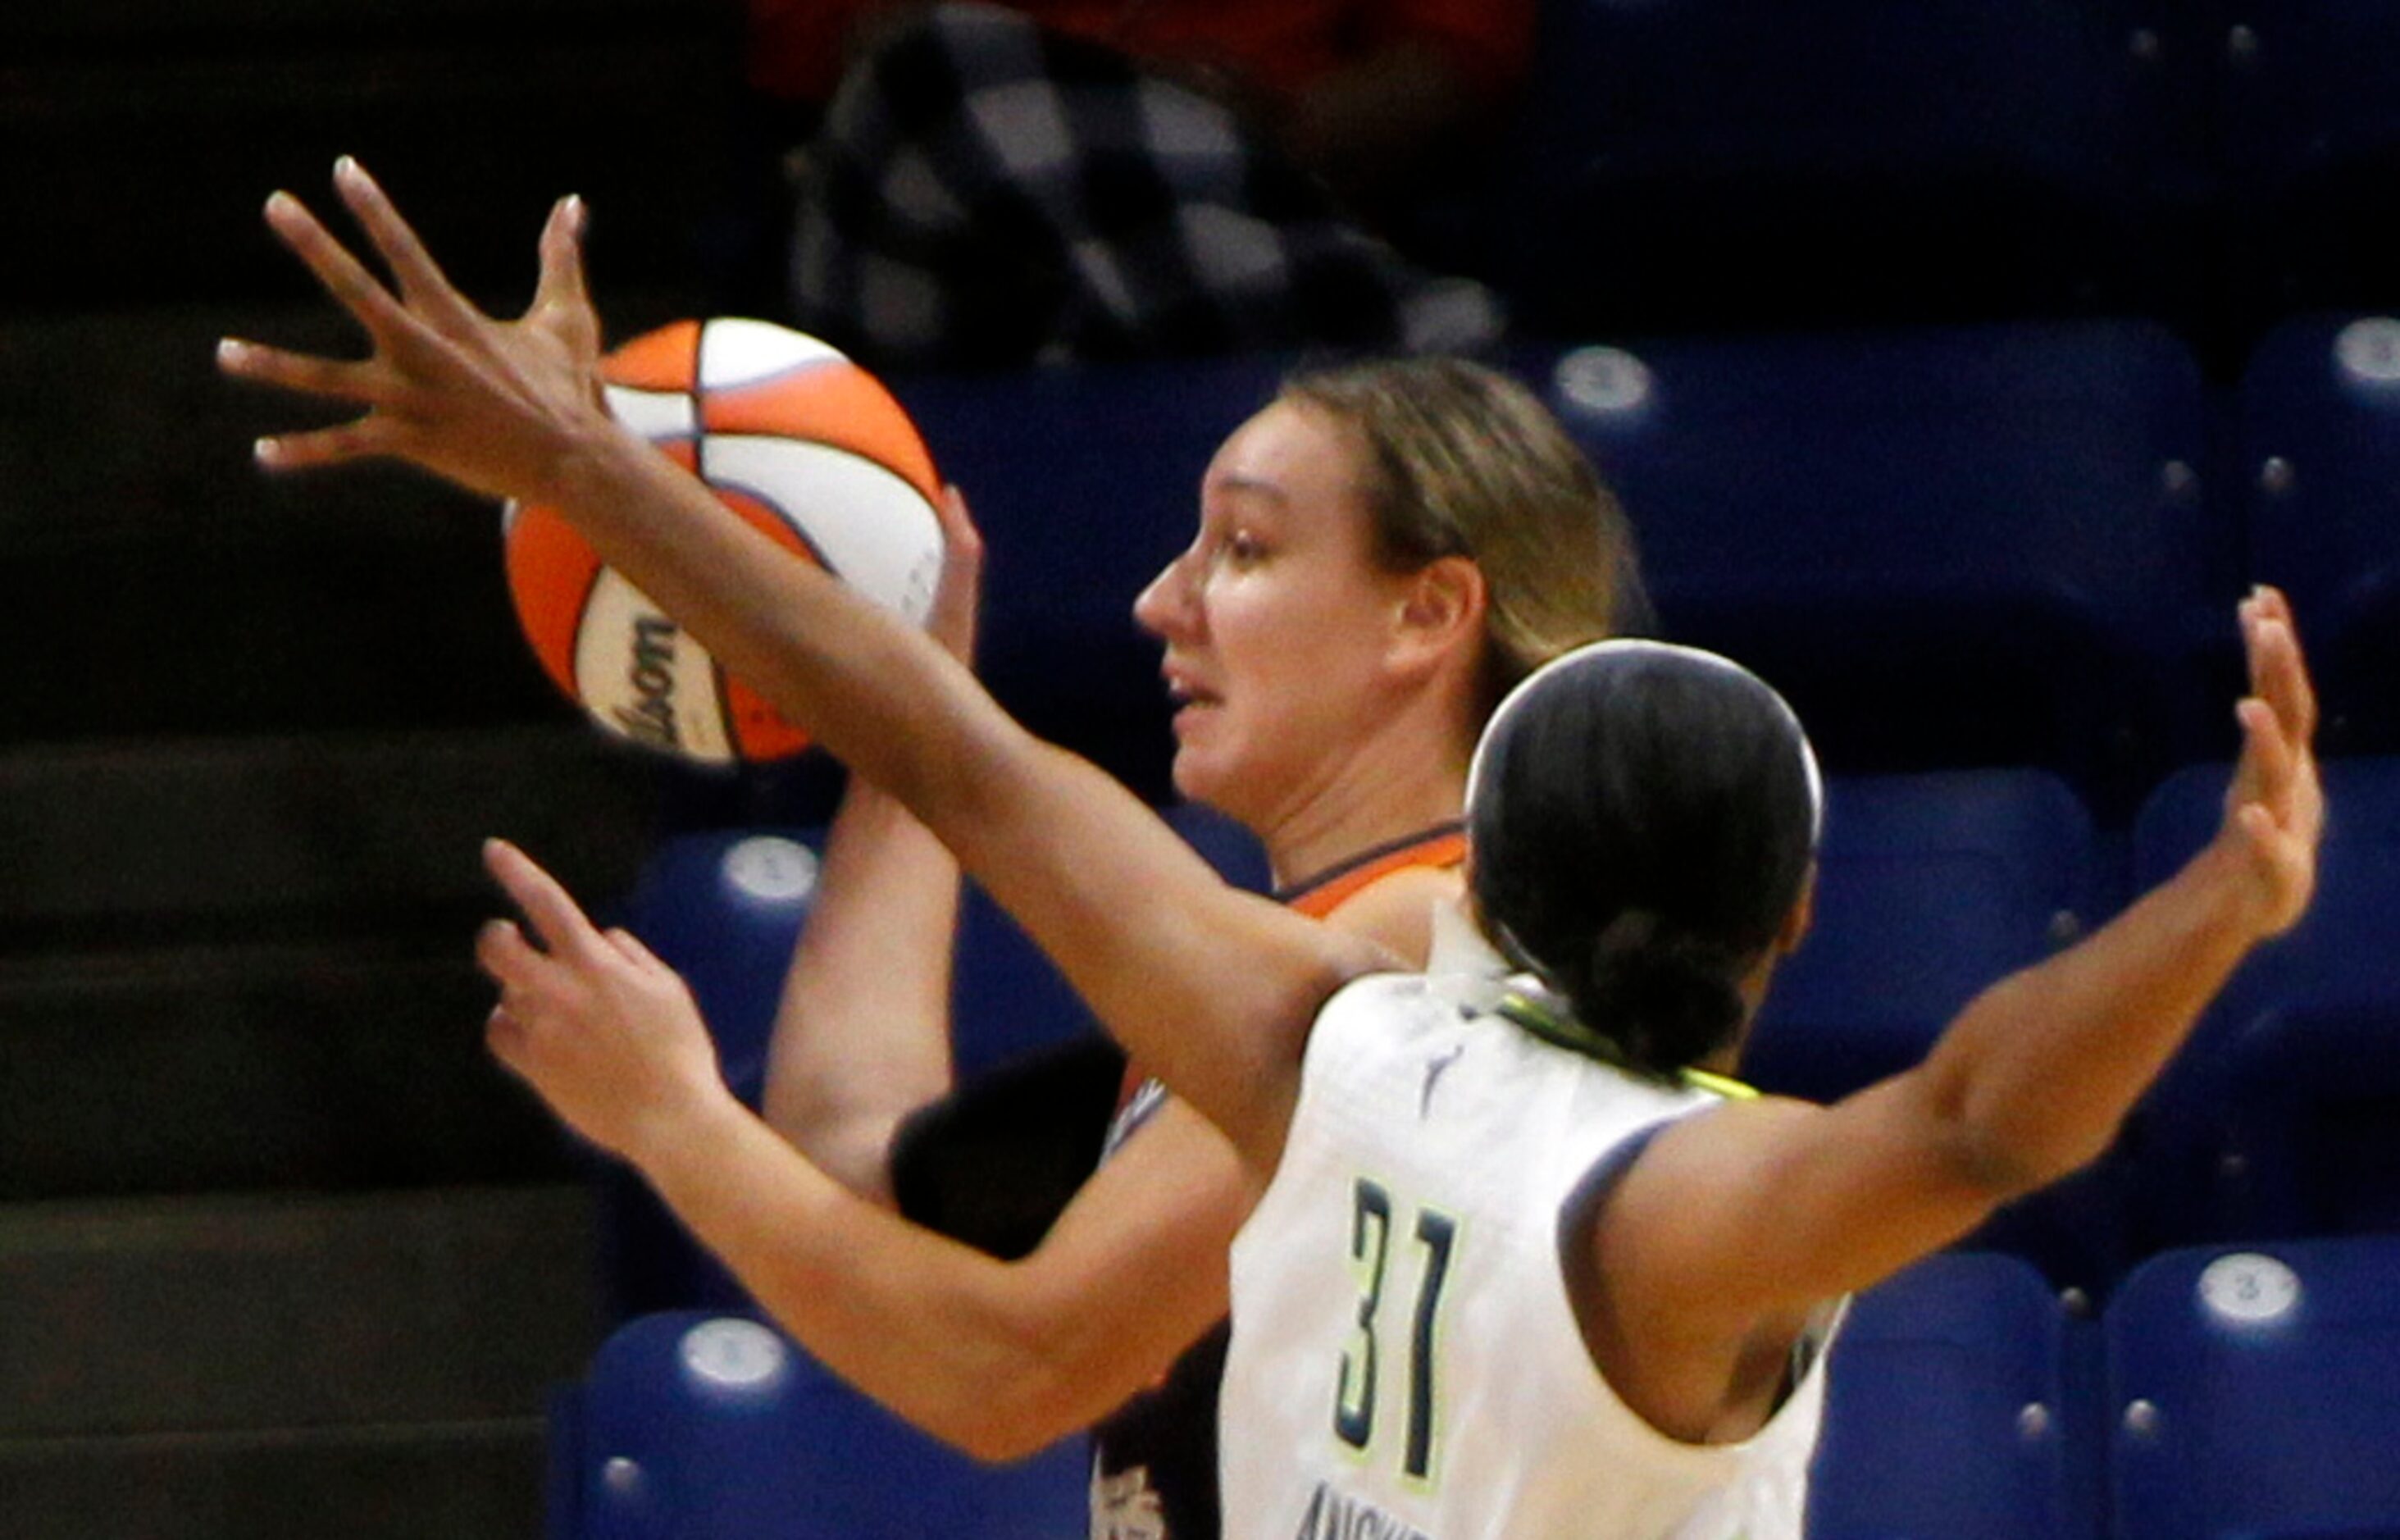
<point x="1396" y="910"/>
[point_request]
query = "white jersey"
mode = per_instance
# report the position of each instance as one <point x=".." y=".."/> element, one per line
<point x="1406" y="1362"/>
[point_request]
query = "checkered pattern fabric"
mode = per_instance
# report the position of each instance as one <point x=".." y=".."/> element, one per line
<point x="985" y="192"/>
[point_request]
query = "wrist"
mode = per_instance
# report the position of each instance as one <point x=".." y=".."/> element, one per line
<point x="676" y="1134"/>
<point x="2245" y="902"/>
<point x="590" y="455"/>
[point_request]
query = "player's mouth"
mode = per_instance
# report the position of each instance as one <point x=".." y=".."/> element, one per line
<point x="1187" y="699"/>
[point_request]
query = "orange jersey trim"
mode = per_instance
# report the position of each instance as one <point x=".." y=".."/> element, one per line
<point x="1321" y="896"/>
<point x="1438" y="848"/>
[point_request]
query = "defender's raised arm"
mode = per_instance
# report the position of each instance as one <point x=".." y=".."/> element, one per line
<point x="1141" y="925"/>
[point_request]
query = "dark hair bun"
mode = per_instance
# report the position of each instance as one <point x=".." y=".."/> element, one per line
<point x="1666" y="994"/>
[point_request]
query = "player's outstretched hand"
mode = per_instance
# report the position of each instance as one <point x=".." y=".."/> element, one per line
<point x="2274" y="808"/>
<point x="606" y="1033"/>
<point x="495" y="406"/>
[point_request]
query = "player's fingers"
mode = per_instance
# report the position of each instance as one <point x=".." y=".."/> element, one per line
<point x="2270" y="759"/>
<point x="2263" y="834"/>
<point x="555" y="917"/>
<point x="343" y="277"/>
<point x="505" y="956"/>
<point x="2279" y="674"/>
<point x="342" y="380"/>
<point x="629" y="947"/>
<point x="562" y="281"/>
<point x="504" y="1035"/>
<point x="366" y="439"/>
<point x="958" y="531"/>
<point x="420" y="278"/>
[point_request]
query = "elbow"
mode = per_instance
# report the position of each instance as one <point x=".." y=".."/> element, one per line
<point x="1996" y="1153"/>
<point x="853" y="1146"/>
<point x="1992" y="1169"/>
<point x="1014" y="1419"/>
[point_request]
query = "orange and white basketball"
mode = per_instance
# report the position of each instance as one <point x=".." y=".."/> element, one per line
<point x="794" y="437"/>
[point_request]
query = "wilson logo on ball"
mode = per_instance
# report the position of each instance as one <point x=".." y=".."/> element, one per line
<point x="794" y="437"/>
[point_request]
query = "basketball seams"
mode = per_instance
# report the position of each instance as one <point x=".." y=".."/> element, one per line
<point x="836" y="469"/>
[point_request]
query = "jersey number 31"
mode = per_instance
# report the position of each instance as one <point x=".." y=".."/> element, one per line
<point x="1370" y="1254"/>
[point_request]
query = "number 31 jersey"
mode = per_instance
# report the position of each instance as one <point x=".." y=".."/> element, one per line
<point x="1406" y="1362"/>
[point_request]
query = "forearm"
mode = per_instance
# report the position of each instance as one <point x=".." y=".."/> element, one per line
<point x="956" y="1342"/>
<point x="2038" y="1073"/>
<point x="862" y="1036"/>
<point x="1139" y="922"/>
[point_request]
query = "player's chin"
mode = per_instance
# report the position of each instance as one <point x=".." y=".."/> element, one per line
<point x="1199" y="771"/>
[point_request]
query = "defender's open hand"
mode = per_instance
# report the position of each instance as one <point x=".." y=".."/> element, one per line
<point x="495" y="406"/>
<point x="2275" y="806"/>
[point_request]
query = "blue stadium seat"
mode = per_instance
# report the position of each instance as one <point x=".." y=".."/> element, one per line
<point x="724" y="907"/>
<point x="1959" y="546"/>
<point x="1683" y="164"/>
<point x="2321" y="459"/>
<point x="1951" y="1411"/>
<point x="2282" y="1116"/>
<point x="691" y="1425"/>
<point x="1929" y="888"/>
<point x="2258" y="1393"/>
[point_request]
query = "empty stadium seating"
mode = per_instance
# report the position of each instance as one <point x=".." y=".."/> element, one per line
<point x="1971" y="545"/>
<point x="1705" y="164"/>
<point x="691" y="1426"/>
<point x="2282" y="1117"/>
<point x="2305" y="140"/>
<point x="1929" y="888"/>
<point x="1951" y="1410"/>
<point x="2258" y="1393"/>
<point x="2320" y="472"/>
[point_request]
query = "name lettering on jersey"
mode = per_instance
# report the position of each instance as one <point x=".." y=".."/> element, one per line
<point x="1335" y="1516"/>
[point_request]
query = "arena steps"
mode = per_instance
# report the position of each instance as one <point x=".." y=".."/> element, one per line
<point x="245" y="962"/>
<point x="365" y="1365"/>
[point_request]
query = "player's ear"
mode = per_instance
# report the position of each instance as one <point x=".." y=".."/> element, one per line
<point x="1440" y="614"/>
<point x="1803" y="914"/>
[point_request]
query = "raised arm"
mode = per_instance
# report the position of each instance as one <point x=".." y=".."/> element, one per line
<point x="861" y="1036"/>
<point x="1738" y="1221"/>
<point x="1212" y="988"/>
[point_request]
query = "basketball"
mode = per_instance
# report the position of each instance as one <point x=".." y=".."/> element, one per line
<point x="802" y="443"/>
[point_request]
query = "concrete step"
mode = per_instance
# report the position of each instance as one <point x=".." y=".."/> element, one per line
<point x="237" y="964"/>
<point x="366" y="1365"/>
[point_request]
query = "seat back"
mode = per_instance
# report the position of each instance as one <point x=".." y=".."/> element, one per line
<point x="1948" y="1412"/>
<point x="1967" y="546"/>
<point x="2282" y="1115"/>
<point x="701" y="1426"/>
<point x="1929" y="888"/>
<point x="2257" y="1392"/>
<point x="2320" y="452"/>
